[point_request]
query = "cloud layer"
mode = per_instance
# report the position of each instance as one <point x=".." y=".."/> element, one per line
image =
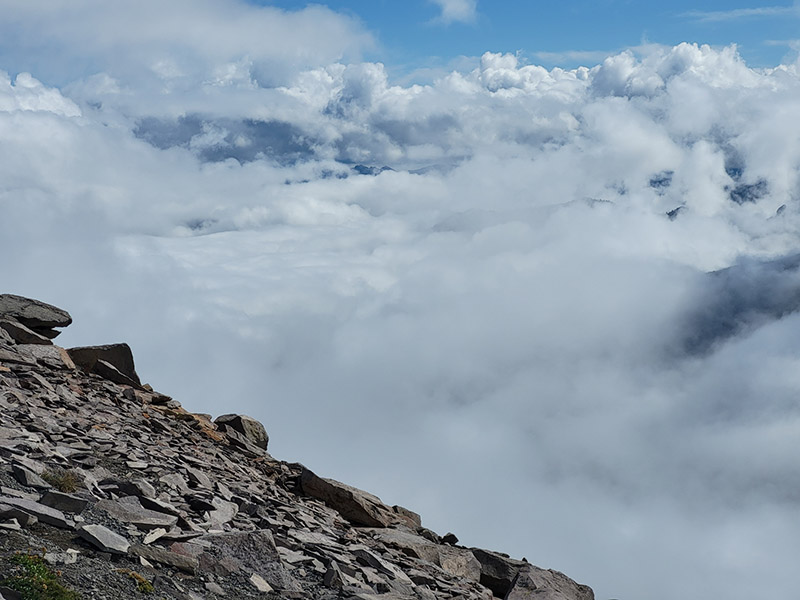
<point x="561" y="323"/>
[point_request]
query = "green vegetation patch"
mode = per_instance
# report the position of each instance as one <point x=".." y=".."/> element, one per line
<point x="64" y="480"/>
<point x="31" y="576"/>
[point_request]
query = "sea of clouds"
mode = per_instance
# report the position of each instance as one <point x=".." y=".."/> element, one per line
<point x="561" y="323"/>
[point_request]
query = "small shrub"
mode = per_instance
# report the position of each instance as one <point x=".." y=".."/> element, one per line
<point x="142" y="584"/>
<point x="33" y="579"/>
<point x="64" y="480"/>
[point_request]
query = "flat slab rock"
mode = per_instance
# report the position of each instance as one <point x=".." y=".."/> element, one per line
<point x="129" y="510"/>
<point x="357" y="506"/>
<point x="104" y="539"/>
<point x="45" y="514"/>
<point x="33" y="313"/>
<point x="99" y="358"/>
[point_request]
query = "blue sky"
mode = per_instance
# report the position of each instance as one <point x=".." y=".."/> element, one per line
<point x="580" y="32"/>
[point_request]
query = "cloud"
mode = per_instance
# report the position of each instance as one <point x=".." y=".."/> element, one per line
<point x="742" y="13"/>
<point x="562" y="324"/>
<point x="456" y="11"/>
<point x="171" y="46"/>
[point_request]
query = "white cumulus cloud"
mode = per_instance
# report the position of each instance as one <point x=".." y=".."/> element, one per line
<point x="461" y="11"/>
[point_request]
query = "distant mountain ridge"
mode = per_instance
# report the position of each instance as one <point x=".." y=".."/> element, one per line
<point x="114" y="490"/>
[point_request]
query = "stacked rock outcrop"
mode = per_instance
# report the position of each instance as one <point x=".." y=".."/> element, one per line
<point x="122" y="490"/>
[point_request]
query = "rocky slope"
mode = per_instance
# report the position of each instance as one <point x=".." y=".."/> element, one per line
<point x="116" y="491"/>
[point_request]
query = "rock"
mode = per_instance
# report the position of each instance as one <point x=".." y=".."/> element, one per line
<point x="45" y="514"/>
<point x="129" y="510"/>
<point x="533" y="583"/>
<point x="408" y="516"/>
<point x="371" y="559"/>
<point x="357" y="506"/>
<point x="33" y="313"/>
<point x="70" y="557"/>
<point x="9" y="594"/>
<point x="137" y="487"/>
<point x="64" y="502"/>
<point x="460" y="562"/>
<point x="334" y="578"/>
<point x="51" y="356"/>
<point x="108" y="371"/>
<point x="10" y="356"/>
<point x="104" y="539"/>
<point x="12" y="513"/>
<point x="223" y="512"/>
<point x="109" y="359"/>
<point x="450" y="538"/>
<point x="10" y="524"/>
<point x="215" y="588"/>
<point x="497" y="571"/>
<point x="28" y="478"/>
<point x="249" y="427"/>
<point x="153" y="535"/>
<point x="22" y="335"/>
<point x="260" y="583"/>
<point x="253" y="552"/>
<point x="188" y="564"/>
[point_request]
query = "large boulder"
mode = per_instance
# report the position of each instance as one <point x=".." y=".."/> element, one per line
<point x="33" y="314"/>
<point x="250" y="428"/>
<point x="111" y="361"/>
<point x="357" y="506"/>
<point x="498" y="571"/>
<point x="533" y="583"/>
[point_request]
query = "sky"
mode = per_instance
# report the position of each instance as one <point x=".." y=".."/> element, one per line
<point x="422" y="37"/>
<point x="547" y="300"/>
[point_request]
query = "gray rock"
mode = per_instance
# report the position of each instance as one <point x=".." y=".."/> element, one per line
<point x="33" y="313"/>
<point x="260" y="583"/>
<point x="137" y="487"/>
<point x="70" y="557"/>
<point x="14" y="357"/>
<point x="334" y="578"/>
<point x="28" y="478"/>
<point x="9" y="594"/>
<point x="104" y="539"/>
<point x="249" y="427"/>
<point x="223" y="512"/>
<point x="371" y="559"/>
<point x="111" y="356"/>
<point x="357" y="506"/>
<point x="23" y="335"/>
<point x="129" y="510"/>
<point x="450" y="538"/>
<point x="215" y="588"/>
<point x="108" y="371"/>
<point x="51" y="356"/>
<point x="188" y="564"/>
<point x="64" y="502"/>
<point x="533" y="583"/>
<point x="253" y="552"/>
<point x="45" y="514"/>
<point x="12" y="513"/>
<point x="497" y="571"/>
